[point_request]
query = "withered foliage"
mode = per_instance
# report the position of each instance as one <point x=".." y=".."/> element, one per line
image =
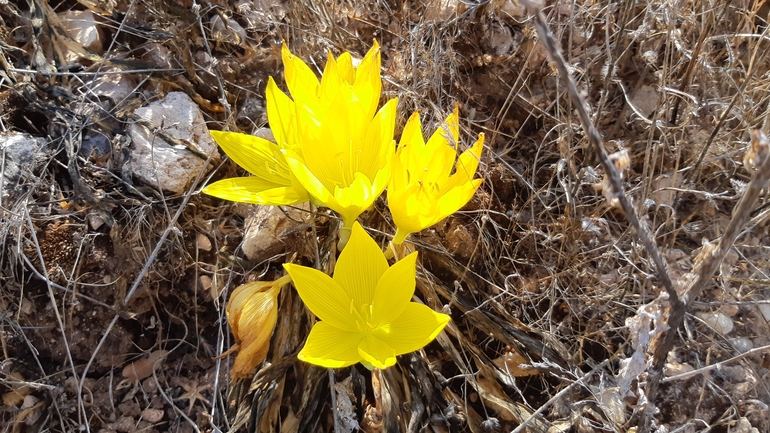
<point x="557" y="306"/>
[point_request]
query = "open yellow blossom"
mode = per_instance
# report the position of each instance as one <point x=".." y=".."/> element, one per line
<point x="337" y="144"/>
<point x="423" y="189"/>
<point x="332" y="145"/>
<point x="252" y="312"/>
<point x="365" y="309"/>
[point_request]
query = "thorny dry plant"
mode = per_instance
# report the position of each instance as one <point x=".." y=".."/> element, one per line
<point x="113" y="291"/>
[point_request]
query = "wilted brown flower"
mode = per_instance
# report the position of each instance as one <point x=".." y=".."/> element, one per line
<point x="252" y="313"/>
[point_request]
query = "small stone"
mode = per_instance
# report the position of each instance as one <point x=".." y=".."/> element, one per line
<point x="23" y="155"/>
<point x="94" y="220"/>
<point x="765" y="310"/>
<point x="645" y="100"/>
<point x="84" y="29"/>
<point x="71" y="385"/>
<point x="170" y="166"/>
<point x="206" y="283"/>
<point x="227" y="30"/>
<point x="112" y="85"/>
<point x="203" y="242"/>
<point x="150" y="385"/>
<point x="718" y="321"/>
<point x="29" y="401"/>
<point x="675" y="368"/>
<point x="129" y="408"/>
<point x="152" y="416"/>
<point x="267" y="227"/>
<point x="742" y="344"/>
<point x="124" y="425"/>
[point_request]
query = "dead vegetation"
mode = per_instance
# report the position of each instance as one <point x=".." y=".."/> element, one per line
<point x="112" y="288"/>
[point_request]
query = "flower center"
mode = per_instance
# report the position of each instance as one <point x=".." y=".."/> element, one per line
<point x="363" y="316"/>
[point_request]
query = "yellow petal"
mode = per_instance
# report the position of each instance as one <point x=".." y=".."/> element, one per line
<point x="360" y="266"/>
<point x="308" y="113"/>
<point x="345" y="68"/>
<point x="456" y="198"/>
<point x="310" y="182"/>
<point x="378" y="146"/>
<point x="257" y="155"/>
<point x="449" y="131"/>
<point x="417" y="326"/>
<point x="257" y="191"/>
<point x="412" y="133"/>
<point x="300" y="79"/>
<point x="435" y="163"/>
<point x="343" y="133"/>
<point x="399" y="178"/>
<point x="398" y="203"/>
<point x="323" y="296"/>
<point x="382" y="178"/>
<point x="435" y="159"/>
<point x="331" y="80"/>
<point x="376" y="352"/>
<point x="330" y="347"/>
<point x="413" y="208"/>
<point x="394" y="290"/>
<point x="368" y="83"/>
<point x="281" y="115"/>
<point x="466" y="165"/>
<point x="330" y="140"/>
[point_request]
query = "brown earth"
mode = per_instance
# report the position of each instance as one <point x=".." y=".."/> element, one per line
<point x="542" y="274"/>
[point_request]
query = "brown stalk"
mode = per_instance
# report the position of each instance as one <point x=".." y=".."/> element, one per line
<point x="548" y="40"/>
<point x="710" y="260"/>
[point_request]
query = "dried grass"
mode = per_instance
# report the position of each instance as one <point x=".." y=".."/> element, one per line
<point x="547" y="282"/>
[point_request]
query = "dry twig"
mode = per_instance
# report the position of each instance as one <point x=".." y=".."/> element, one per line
<point x="595" y="138"/>
<point x="710" y="259"/>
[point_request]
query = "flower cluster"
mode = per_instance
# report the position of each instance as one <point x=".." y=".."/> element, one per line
<point x="335" y="148"/>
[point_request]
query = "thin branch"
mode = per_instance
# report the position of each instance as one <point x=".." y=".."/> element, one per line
<point x="707" y="264"/>
<point x="616" y="183"/>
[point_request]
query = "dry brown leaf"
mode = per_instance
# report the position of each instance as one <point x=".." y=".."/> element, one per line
<point x="511" y="363"/>
<point x="143" y="368"/>
<point x="17" y="393"/>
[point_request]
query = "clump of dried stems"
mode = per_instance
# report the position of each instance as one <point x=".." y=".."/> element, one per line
<point x="624" y="205"/>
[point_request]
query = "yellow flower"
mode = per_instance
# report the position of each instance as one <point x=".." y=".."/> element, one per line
<point x="365" y="309"/>
<point x="337" y="144"/>
<point x="272" y="182"/>
<point x="252" y="312"/>
<point x="422" y="189"/>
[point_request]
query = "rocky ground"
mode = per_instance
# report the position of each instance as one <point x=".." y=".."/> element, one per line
<point x="115" y="270"/>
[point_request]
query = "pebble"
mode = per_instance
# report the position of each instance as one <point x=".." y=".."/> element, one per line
<point x="83" y="27"/>
<point x="152" y="416"/>
<point x="264" y="228"/>
<point x="718" y="320"/>
<point x="23" y="155"/>
<point x="163" y="165"/>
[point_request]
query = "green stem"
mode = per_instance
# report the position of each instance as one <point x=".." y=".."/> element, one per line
<point x="345" y="232"/>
